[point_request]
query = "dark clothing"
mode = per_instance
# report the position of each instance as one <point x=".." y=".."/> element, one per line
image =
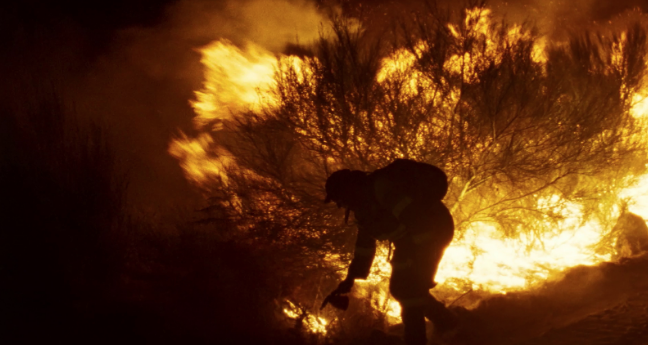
<point x="414" y="266"/>
<point x="420" y="230"/>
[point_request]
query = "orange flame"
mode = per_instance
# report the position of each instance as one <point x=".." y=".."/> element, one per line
<point x="235" y="80"/>
<point x="315" y="324"/>
<point x="238" y="80"/>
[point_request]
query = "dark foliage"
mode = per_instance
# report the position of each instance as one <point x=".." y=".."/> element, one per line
<point x="62" y="196"/>
<point x="80" y="265"/>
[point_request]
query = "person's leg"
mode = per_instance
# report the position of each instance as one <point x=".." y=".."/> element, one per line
<point x="424" y="248"/>
<point x="429" y="256"/>
<point x="414" y="265"/>
<point x="411" y="295"/>
<point x="442" y="318"/>
<point x="414" y="324"/>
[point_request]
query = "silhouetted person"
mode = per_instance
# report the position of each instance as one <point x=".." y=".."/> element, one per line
<point x="400" y="203"/>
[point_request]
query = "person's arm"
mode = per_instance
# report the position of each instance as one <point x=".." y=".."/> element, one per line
<point x="363" y="256"/>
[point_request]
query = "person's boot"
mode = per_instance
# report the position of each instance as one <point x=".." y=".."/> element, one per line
<point x="445" y="321"/>
<point x="414" y="325"/>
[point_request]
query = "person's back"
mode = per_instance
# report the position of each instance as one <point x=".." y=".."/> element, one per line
<point x="412" y="191"/>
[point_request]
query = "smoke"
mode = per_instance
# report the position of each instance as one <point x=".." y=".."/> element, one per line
<point x="268" y="23"/>
<point x="557" y="19"/>
<point x="154" y="71"/>
<point x="141" y="83"/>
<point x="151" y="73"/>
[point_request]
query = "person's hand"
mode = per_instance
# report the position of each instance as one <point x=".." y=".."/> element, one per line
<point x="335" y="298"/>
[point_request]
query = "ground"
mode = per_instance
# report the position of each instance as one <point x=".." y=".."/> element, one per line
<point x="607" y="304"/>
<point x="624" y="323"/>
<point x="601" y="305"/>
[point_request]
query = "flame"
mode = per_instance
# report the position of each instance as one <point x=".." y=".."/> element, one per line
<point x="237" y="80"/>
<point x="379" y="275"/>
<point x="640" y="107"/>
<point x="197" y="159"/>
<point x="478" y="26"/>
<point x="497" y="264"/>
<point x="482" y="256"/>
<point x="500" y="265"/>
<point x="314" y="324"/>
<point x="638" y="193"/>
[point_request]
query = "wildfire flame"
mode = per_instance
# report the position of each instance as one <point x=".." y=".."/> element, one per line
<point x="241" y="79"/>
<point x="315" y="324"/>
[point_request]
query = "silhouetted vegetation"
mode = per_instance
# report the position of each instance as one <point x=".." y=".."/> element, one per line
<point x="62" y="197"/>
<point x="81" y="265"/>
<point x="522" y="132"/>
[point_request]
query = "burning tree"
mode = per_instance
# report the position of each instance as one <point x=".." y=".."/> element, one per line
<point x="527" y="132"/>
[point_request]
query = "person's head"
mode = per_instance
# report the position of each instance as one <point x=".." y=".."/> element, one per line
<point x="344" y="187"/>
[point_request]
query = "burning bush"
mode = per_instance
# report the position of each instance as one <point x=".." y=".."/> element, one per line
<point x="537" y="139"/>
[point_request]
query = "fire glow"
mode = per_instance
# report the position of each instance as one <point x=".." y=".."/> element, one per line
<point x="481" y="257"/>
